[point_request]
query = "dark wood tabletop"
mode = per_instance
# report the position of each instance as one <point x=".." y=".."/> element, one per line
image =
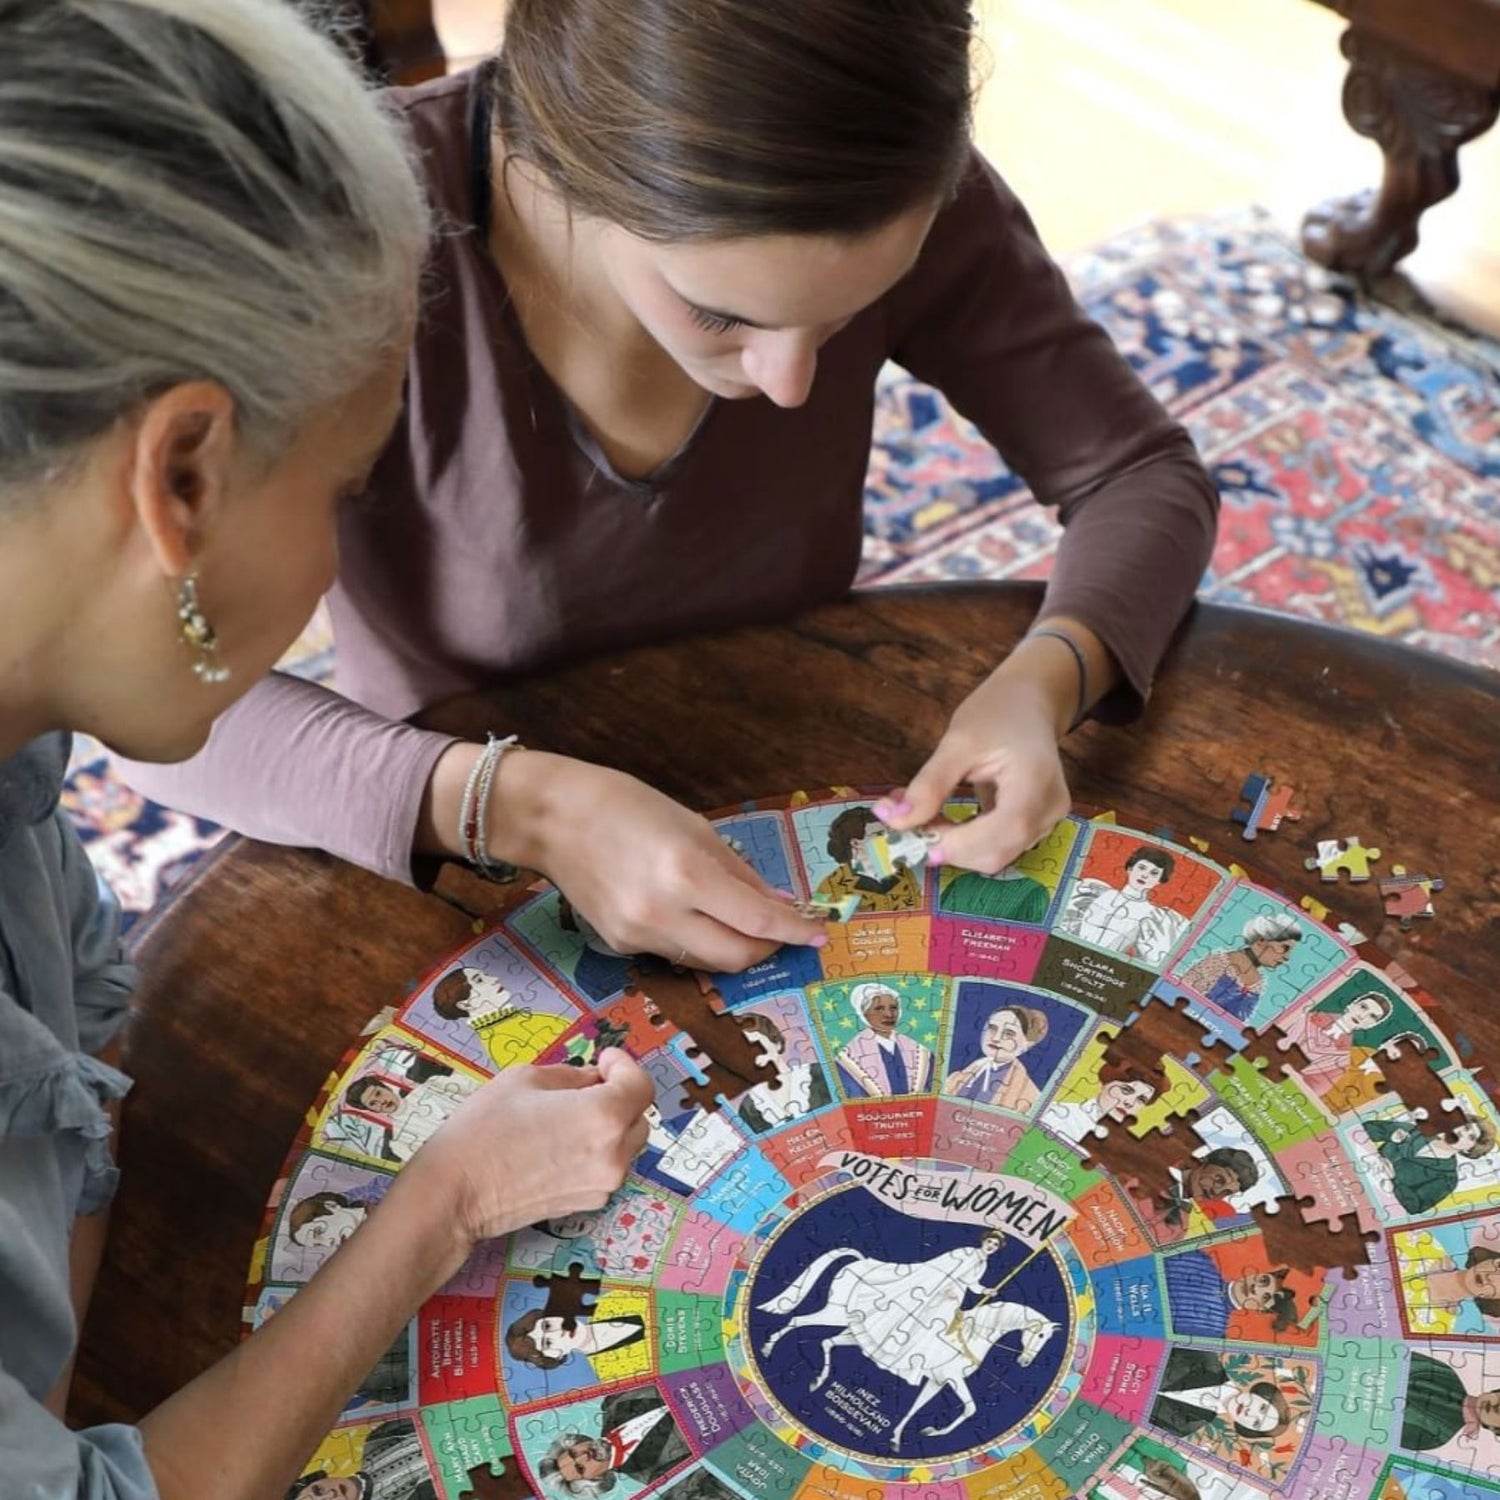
<point x="257" y="977"/>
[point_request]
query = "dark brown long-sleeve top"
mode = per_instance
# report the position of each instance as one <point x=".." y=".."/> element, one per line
<point x="497" y="536"/>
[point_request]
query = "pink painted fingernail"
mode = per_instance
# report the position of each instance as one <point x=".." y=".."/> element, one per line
<point x="821" y="941"/>
<point x="781" y="895"/>
<point x="936" y="857"/>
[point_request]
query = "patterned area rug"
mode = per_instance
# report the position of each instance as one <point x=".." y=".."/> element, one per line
<point x="1355" y="440"/>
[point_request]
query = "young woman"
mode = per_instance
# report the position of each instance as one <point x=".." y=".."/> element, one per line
<point x="209" y="245"/>
<point x="684" y="236"/>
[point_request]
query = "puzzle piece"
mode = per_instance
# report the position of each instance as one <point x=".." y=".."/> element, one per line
<point x="1350" y="858"/>
<point x="884" y="852"/>
<point x="1267" y="805"/>
<point x="1408" y="896"/>
<point x="722" y="1046"/>
<point x="1316" y="909"/>
<point x="1308" y="1245"/>
<point x="828" y="910"/>
<point x="1279" y="809"/>
<point x="569" y="1297"/>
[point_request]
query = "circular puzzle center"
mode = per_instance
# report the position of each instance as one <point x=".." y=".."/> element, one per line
<point x="902" y="1336"/>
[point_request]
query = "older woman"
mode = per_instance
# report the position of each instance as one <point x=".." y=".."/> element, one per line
<point x="209" y="244"/>
<point x="1233" y="979"/>
<point x="879" y="1060"/>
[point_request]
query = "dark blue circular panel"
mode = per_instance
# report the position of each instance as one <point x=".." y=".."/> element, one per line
<point x="873" y="1330"/>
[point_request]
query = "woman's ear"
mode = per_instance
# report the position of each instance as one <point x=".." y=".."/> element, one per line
<point x="186" y="444"/>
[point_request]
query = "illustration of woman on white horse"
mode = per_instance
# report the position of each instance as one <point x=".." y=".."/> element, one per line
<point x="908" y="1318"/>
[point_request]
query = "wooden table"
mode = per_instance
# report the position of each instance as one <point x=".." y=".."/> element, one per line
<point x="260" y="975"/>
<point x="1424" y="79"/>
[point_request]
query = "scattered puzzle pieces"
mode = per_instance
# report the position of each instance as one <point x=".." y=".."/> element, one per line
<point x="1267" y="805"/>
<point x="1408" y="896"/>
<point x="1349" y="858"/>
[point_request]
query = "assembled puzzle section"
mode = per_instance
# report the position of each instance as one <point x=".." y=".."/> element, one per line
<point x="1120" y="1174"/>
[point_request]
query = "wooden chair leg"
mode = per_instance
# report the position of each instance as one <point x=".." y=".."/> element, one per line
<point x="402" y="43"/>
<point x="1420" y="116"/>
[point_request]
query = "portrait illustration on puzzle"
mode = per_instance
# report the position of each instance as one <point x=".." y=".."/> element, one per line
<point x="1117" y="1174"/>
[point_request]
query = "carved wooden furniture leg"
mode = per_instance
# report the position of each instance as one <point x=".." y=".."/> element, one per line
<point x="402" y="43"/>
<point x="1420" y="116"/>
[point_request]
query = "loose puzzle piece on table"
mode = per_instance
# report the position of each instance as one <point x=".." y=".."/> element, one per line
<point x="1267" y="805"/>
<point x="1408" y="896"/>
<point x="1350" y="858"/>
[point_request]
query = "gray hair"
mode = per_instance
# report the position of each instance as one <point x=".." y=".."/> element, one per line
<point x="1272" y="929"/>
<point x="190" y="190"/>
<point x="579" y="1489"/>
<point x="863" y="996"/>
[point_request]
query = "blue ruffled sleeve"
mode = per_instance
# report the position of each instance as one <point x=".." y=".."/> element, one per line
<point x="64" y="991"/>
<point x="102" y="976"/>
<point x="54" y="1163"/>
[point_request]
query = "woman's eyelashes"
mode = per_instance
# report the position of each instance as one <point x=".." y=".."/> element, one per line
<point x="712" y="322"/>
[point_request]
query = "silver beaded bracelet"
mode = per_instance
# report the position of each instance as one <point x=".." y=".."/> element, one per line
<point x="474" y="811"/>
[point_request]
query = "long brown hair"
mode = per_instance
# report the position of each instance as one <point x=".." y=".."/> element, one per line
<point x="719" y="119"/>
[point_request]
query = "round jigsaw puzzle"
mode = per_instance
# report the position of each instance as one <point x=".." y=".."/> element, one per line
<point x="1118" y="1175"/>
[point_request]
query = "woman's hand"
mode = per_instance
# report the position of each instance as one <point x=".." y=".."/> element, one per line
<point x="532" y="1144"/>
<point x="535" y="1143"/>
<point x="648" y="875"/>
<point x="1003" y="741"/>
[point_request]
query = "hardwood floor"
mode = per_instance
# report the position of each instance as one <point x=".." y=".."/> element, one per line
<point x="1105" y="112"/>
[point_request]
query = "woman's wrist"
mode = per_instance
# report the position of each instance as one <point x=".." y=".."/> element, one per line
<point x="1043" y="675"/>
<point x="515" y="811"/>
<point x="442" y="801"/>
<point x="1067" y="665"/>
<point x="421" y="1213"/>
<point x="520" y="806"/>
